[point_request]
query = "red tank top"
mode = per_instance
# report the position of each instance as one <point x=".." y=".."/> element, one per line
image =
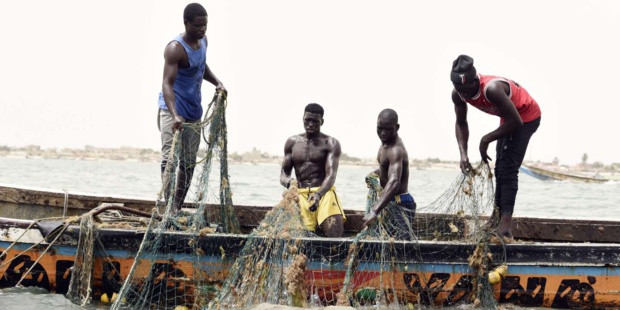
<point x="526" y="105"/>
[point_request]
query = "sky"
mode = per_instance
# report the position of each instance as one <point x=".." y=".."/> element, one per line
<point x="78" y="73"/>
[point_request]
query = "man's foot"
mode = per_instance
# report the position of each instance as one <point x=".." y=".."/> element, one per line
<point x="508" y="239"/>
<point x="504" y="227"/>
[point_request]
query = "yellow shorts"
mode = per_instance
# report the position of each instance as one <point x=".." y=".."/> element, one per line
<point x="328" y="206"/>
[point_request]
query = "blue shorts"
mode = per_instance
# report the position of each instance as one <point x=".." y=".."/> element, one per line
<point x="400" y="215"/>
<point x="405" y="198"/>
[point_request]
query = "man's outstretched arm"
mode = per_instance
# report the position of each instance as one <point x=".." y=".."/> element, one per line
<point x="391" y="187"/>
<point x="461" y="130"/>
<point x="172" y="57"/>
<point x="209" y="76"/>
<point x="331" y="166"/>
<point x="287" y="163"/>
<point x="395" y="171"/>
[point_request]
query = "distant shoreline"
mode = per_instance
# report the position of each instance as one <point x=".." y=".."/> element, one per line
<point x="132" y="154"/>
<point x="416" y="164"/>
<point x="276" y="161"/>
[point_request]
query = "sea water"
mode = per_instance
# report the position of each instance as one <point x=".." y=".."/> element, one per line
<point x="258" y="185"/>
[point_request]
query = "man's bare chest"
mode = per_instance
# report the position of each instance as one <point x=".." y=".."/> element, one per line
<point x="383" y="159"/>
<point x="309" y="152"/>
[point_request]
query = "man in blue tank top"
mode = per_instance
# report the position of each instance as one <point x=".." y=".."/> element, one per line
<point x="180" y="100"/>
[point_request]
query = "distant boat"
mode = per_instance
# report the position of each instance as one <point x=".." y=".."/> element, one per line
<point x="545" y="174"/>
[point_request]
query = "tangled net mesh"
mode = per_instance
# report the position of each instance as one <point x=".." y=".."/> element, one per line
<point x="438" y="256"/>
<point x="407" y="260"/>
<point x="402" y="260"/>
<point x="392" y="263"/>
<point x="271" y="267"/>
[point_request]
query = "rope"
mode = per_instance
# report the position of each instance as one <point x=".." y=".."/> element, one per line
<point x="66" y="204"/>
<point x="3" y="254"/>
<point x="42" y="255"/>
<point x="127" y="283"/>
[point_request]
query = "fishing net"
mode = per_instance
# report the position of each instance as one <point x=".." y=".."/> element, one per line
<point x="271" y="267"/>
<point x="196" y="258"/>
<point x="440" y="235"/>
<point x="439" y="257"/>
<point x="80" y="288"/>
<point x="171" y="267"/>
<point x="400" y="261"/>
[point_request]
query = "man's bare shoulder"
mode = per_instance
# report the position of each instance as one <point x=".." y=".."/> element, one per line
<point x="330" y="139"/>
<point x="292" y="140"/>
<point x="174" y="50"/>
<point x="497" y="88"/>
<point x="332" y="143"/>
<point x="401" y="144"/>
<point x="456" y="99"/>
<point x="174" y="46"/>
<point x="333" y="140"/>
<point x="296" y="137"/>
<point x="396" y="150"/>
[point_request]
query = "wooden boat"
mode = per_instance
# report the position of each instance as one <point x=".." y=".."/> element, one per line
<point x="546" y="174"/>
<point x="556" y="263"/>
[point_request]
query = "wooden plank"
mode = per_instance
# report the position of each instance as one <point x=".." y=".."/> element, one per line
<point x="22" y="203"/>
<point x="566" y="230"/>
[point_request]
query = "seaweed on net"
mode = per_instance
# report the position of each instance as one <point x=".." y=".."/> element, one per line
<point x="280" y="262"/>
<point x="453" y="216"/>
<point x="157" y="279"/>
<point x="271" y="266"/>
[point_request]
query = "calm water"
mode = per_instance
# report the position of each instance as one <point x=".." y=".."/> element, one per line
<point x="259" y="185"/>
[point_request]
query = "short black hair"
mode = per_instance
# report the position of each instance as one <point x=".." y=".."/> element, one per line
<point x="389" y="114"/>
<point x="192" y="10"/>
<point x="314" y="108"/>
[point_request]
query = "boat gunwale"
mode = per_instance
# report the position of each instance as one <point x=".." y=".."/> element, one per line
<point x="534" y="253"/>
<point x="562" y="230"/>
<point x="113" y="230"/>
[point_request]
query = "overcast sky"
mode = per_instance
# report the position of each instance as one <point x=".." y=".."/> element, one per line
<point x="89" y="72"/>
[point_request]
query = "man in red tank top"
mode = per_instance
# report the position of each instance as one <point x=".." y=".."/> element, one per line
<point x="519" y="118"/>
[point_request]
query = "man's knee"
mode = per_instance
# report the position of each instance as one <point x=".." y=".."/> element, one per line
<point x="333" y="226"/>
<point x="507" y="178"/>
<point x="187" y="161"/>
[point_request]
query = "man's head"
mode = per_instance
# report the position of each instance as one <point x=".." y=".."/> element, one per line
<point x="387" y="125"/>
<point x="195" y="19"/>
<point x="313" y="118"/>
<point x="463" y="76"/>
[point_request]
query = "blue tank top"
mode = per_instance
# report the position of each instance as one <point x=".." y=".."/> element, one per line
<point x="187" y="94"/>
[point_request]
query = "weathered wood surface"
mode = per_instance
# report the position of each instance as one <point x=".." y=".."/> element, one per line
<point x="23" y="203"/>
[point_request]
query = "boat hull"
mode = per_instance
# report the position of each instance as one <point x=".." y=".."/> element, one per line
<point x="539" y="275"/>
<point x="562" y="263"/>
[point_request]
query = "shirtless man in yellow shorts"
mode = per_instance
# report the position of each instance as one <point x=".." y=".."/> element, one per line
<point x="315" y="156"/>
